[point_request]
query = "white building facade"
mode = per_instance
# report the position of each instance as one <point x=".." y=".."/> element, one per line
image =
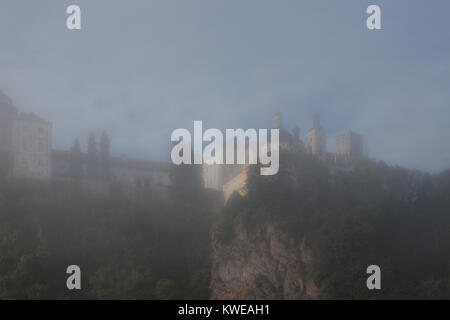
<point x="32" y="147"/>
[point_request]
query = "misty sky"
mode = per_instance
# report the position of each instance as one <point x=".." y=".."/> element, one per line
<point x="140" y="69"/>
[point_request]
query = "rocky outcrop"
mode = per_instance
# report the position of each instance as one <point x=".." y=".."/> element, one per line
<point x="263" y="263"/>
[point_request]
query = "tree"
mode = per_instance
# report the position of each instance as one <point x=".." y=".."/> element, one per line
<point x="105" y="156"/>
<point x="165" y="289"/>
<point x="92" y="157"/>
<point x="187" y="182"/>
<point x="76" y="165"/>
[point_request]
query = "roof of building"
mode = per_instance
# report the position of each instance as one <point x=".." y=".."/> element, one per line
<point x="32" y="117"/>
<point x="6" y="103"/>
<point x="120" y="162"/>
<point x="138" y="164"/>
<point x="4" y="99"/>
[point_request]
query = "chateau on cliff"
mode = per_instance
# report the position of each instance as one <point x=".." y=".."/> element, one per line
<point x="233" y="178"/>
<point x="26" y="152"/>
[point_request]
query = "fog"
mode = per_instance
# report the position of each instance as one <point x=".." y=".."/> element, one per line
<point x="141" y="69"/>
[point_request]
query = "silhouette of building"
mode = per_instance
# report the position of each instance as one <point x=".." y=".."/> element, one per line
<point x="136" y="179"/>
<point x="316" y="140"/>
<point x="349" y="144"/>
<point x="32" y="145"/>
<point x="277" y="121"/>
<point x="7" y="114"/>
<point x="233" y="178"/>
<point x="25" y="143"/>
<point x="26" y="152"/>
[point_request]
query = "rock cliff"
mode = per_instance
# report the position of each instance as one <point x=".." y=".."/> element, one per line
<point x="263" y="263"/>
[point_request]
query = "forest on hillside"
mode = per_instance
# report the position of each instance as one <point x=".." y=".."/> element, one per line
<point x="395" y="218"/>
<point x="126" y="250"/>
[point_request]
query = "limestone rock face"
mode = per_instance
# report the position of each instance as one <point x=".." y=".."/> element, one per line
<point x="263" y="263"/>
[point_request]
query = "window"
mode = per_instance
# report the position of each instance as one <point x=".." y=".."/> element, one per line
<point x="24" y="163"/>
<point x="27" y="146"/>
<point x="42" y="131"/>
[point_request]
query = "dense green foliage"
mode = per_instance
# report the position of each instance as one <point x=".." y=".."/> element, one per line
<point x="160" y="249"/>
<point x="126" y="250"/>
<point x="373" y="214"/>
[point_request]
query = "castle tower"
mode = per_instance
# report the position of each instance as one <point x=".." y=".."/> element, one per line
<point x="317" y="140"/>
<point x="316" y="121"/>
<point x="349" y="144"/>
<point x="277" y="121"/>
<point x="296" y="133"/>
